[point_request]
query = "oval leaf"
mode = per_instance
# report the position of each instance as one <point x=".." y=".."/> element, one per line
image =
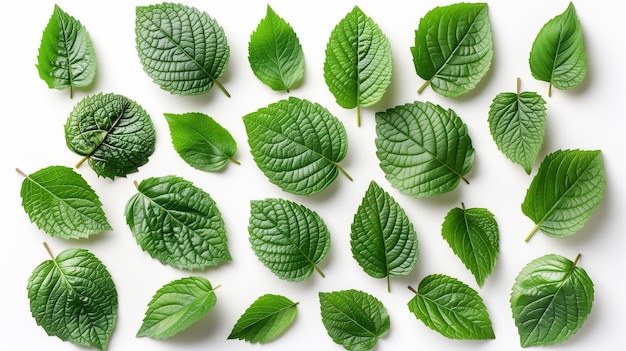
<point x="265" y="319"/>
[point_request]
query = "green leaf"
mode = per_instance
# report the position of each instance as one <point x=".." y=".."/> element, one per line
<point x="383" y="240"/>
<point x="182" y="49"/>
<point x="176" y="306"/>
<point x="201" y="141"/>
<point x="275" y="53"/>
<point x="353" y="318"/>
<point x="473" y="236"/>
<point x="423" y="149"/>
<point x="288" y="238"/>
<point x="177" y="223"/>
<point x="297" y="144"/>
<point x="358" y="64"/>
<point x="550" y="300"/>
<point x="557" y="55"/>
<point x="66" y="56"/>
<point x="113" y="132"/>
<point x="453" y="48"/>
<point x="74" y="298"/>
<point x="265" y="319"/>
<point x="568" y="186"/>
<point x="451" y="308"/>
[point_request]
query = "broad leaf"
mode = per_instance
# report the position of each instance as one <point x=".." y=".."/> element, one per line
<point x="181" y="48"/>
<point x="275" y="53"/>
<point x="61" y="203"/>
<point x="265" y="319"/>
<point x="568" y="186"/>
<point x="453" y="48"/>
<point x="550" y="300"/>
<point x="288" y="238"/>
<point x="201" y="141"/>
<point x="74" y="298"/>
<point x="66" y="56"/>
<point x="113" y="132"/>
<point x="176" y="306"/>
<point x="177" y="223"/>
<point x="451" y="308"/>
<point x="383" y="240"/>
<point x="353" y="318"/>
<point x="358" y="64"/>
<point x="423" y="149"/>
<point x="297" y="144"/>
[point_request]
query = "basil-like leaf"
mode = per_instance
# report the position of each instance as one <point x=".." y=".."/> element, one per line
<point x="268" y="317"/>
<point x="177" y="223"/>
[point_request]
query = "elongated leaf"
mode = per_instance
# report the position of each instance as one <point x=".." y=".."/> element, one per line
<point x="177" y="223"/>
<point x="113" y="132"/>
<point x="451" y="308"/>
<point x="353" y="318"/>
<point x="550" y="300"/>
<point x="275" y="53"/>
<point x="181" y="48"/>
<point x="288" y="238"/>
<point x="453" y="48"/>
<point x="568" y="186"/>
<point x="176" y="306"/>
<point x="61" y="203"/>
<point x="383" y="239"/>
<point x="358" y="65"/>
<point x="265" y="319"/>
<point x="297" y="144"/>
<point x="423" y="149"/>
<point x="66" y="58"/>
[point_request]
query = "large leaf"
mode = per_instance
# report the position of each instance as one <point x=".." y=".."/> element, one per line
<point x="113" y="132"/>
<point x="177" y="223"/>
<point x="182" y="49"/>
<point x="453" y="48"/>
<point x="550" y="300"/>
<point x="423" y="149"/>
<point x="265" y="319"/>
<point x="358" y="64"/>
<point x="297" y="144"/>
<point x="383" y="240"/>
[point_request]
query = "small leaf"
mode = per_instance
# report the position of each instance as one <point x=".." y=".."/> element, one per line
<point x="265" y="319"/>
<point x="354" y="319"/>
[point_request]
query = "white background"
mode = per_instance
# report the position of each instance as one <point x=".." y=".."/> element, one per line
<point x="590" y="116"/>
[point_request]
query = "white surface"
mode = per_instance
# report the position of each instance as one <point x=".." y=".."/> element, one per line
<point x="588" y="117"/>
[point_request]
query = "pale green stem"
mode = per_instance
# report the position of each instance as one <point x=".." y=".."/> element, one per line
<point x="219" y="85"/>
<point x="550" y="89"/>
<point x="518" y="83"/>
<point x="358" y="115"/>
<point x="235" y="161"/>
<point x="343" y="171"/>
<point x="576" y="260"/>
<point x="388" y="283"/>
<point x="419" y="91"/>
<point x="319" y="270"/>
<point x="532" y="232"/>
<point x="82" y="161"/>
<point x="71" y="91"/>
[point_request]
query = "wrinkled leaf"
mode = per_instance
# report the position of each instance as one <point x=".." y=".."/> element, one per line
<point x="265" y="319"/>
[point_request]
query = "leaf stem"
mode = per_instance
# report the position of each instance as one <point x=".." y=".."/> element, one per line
<point x="234" y="160"/>
<point x="465" y="180"/>
<point x="319" y="270"/>
<point x="550" y="89"/>
<point x="219" y="85"/>
<point x="412" y="289"/>
<point x="532" y="232"/>
<point x="358" y="115"/>
<point x="421" y="89"/>
<point x="343" y="171"/>
<point x="81" y="161"/>
<point x="71" y="91"/>
<point x="576" y="260"/>
<point x="216" y="287"/>
<point x="19" y="171"/>
<point x="388" y="283"/>
<point x="45" y="244"/>
<point x="518" y="83"/>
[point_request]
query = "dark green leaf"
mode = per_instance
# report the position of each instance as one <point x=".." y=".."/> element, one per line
<point x="265" y="319"/>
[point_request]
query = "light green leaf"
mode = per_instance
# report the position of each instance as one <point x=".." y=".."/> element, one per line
<point x="568" y="186"/>
<point x="275" y="53"/>
<point x="176" y="306"/>
<point x="265" y="319"/>
<point x="177" y="223"/>
<point x="383" y="240"/>
<point x="423" y="149"/>
<point x="288" y="238"/>
<point x="353" y="318"/>
<point x="181" y="48"/>
<point x="453" y="48"/>
<point x="451" y="308"/>
<point x="358" y="65"/>
<point x="201" y="141"/>
<point x="297" y="144"/>
<point x="550" y="300"/>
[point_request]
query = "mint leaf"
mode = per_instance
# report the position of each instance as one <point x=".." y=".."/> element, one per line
<point x="265" y="319"/>
<point x="453" y="48"/>
<point x="288" y="238"/>
<point x="383" y="240"/>
<point x="423" y="149"/>
<point x="176" y="306"/>
<point x="275" y="53"/>
<point x="66" y="56"/>
<point x="177" y="223"/>
<point x="550" y="300"/>
<point x="181" y="48"/>
<point x="358" y="64"/>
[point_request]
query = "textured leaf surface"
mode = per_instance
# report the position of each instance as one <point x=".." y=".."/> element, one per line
<point x="265" y="319"/>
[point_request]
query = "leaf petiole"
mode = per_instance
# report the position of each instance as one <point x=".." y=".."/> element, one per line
<point x="412" y="289"/>
<point x="45" y="244"/>
<point x="532" y="232"/>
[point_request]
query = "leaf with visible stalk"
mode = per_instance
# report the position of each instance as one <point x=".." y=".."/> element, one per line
<point x="265" y="320"/>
